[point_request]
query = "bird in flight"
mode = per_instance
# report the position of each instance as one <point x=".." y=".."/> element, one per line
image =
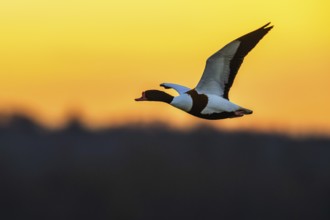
<point x="209" y="99"/>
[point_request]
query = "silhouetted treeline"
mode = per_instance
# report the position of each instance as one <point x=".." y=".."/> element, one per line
<point x="156" y="173"/>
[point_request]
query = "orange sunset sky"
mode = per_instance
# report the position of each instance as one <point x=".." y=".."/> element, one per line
<point x="94" y="57"/>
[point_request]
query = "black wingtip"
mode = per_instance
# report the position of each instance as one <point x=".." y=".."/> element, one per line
<point x="162" y="85"/>
<point x="267" y="27"/>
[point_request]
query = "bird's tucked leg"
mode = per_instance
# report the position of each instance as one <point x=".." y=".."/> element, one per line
<point x="239" y="113"/>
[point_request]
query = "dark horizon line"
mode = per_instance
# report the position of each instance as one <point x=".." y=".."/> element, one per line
<point x="19" y="119"/>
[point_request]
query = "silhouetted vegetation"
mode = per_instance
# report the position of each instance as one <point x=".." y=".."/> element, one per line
<point x="156" y="173"/>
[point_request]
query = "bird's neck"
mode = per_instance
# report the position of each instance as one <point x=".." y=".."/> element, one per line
<point x="164" y="97"/>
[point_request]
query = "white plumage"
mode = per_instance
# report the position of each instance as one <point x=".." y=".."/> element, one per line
<point x="210" y="98"/>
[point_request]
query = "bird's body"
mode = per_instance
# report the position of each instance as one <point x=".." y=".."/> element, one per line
<point x="204" y="105"/>
<point x="209" y="100"/>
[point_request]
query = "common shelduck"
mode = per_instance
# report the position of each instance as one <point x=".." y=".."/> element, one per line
<point x="209" y="100"/>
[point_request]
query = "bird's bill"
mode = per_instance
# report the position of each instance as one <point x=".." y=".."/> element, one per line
<point x="142" y="98"/>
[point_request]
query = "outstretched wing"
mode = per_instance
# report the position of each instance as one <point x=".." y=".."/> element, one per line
<point x="180" y="89"/>
<point x="222" y="67"/>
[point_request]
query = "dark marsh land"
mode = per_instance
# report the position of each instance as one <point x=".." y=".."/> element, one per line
<point x="157" y="173"/>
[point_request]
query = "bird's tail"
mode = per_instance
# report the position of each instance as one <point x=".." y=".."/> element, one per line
<point x="247" y="111"/>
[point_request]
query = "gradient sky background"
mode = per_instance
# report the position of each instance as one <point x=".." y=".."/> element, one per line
<point x="92" y="58"/>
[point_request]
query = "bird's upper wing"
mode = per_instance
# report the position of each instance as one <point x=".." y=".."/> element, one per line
<point x="180" y="89"/>
<point x="221" y="68"/>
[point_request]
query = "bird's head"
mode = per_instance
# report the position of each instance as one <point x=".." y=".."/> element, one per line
<point x="155" y="95"/>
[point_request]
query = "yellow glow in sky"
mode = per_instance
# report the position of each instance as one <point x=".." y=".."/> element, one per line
<point x="95" y="57"/>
